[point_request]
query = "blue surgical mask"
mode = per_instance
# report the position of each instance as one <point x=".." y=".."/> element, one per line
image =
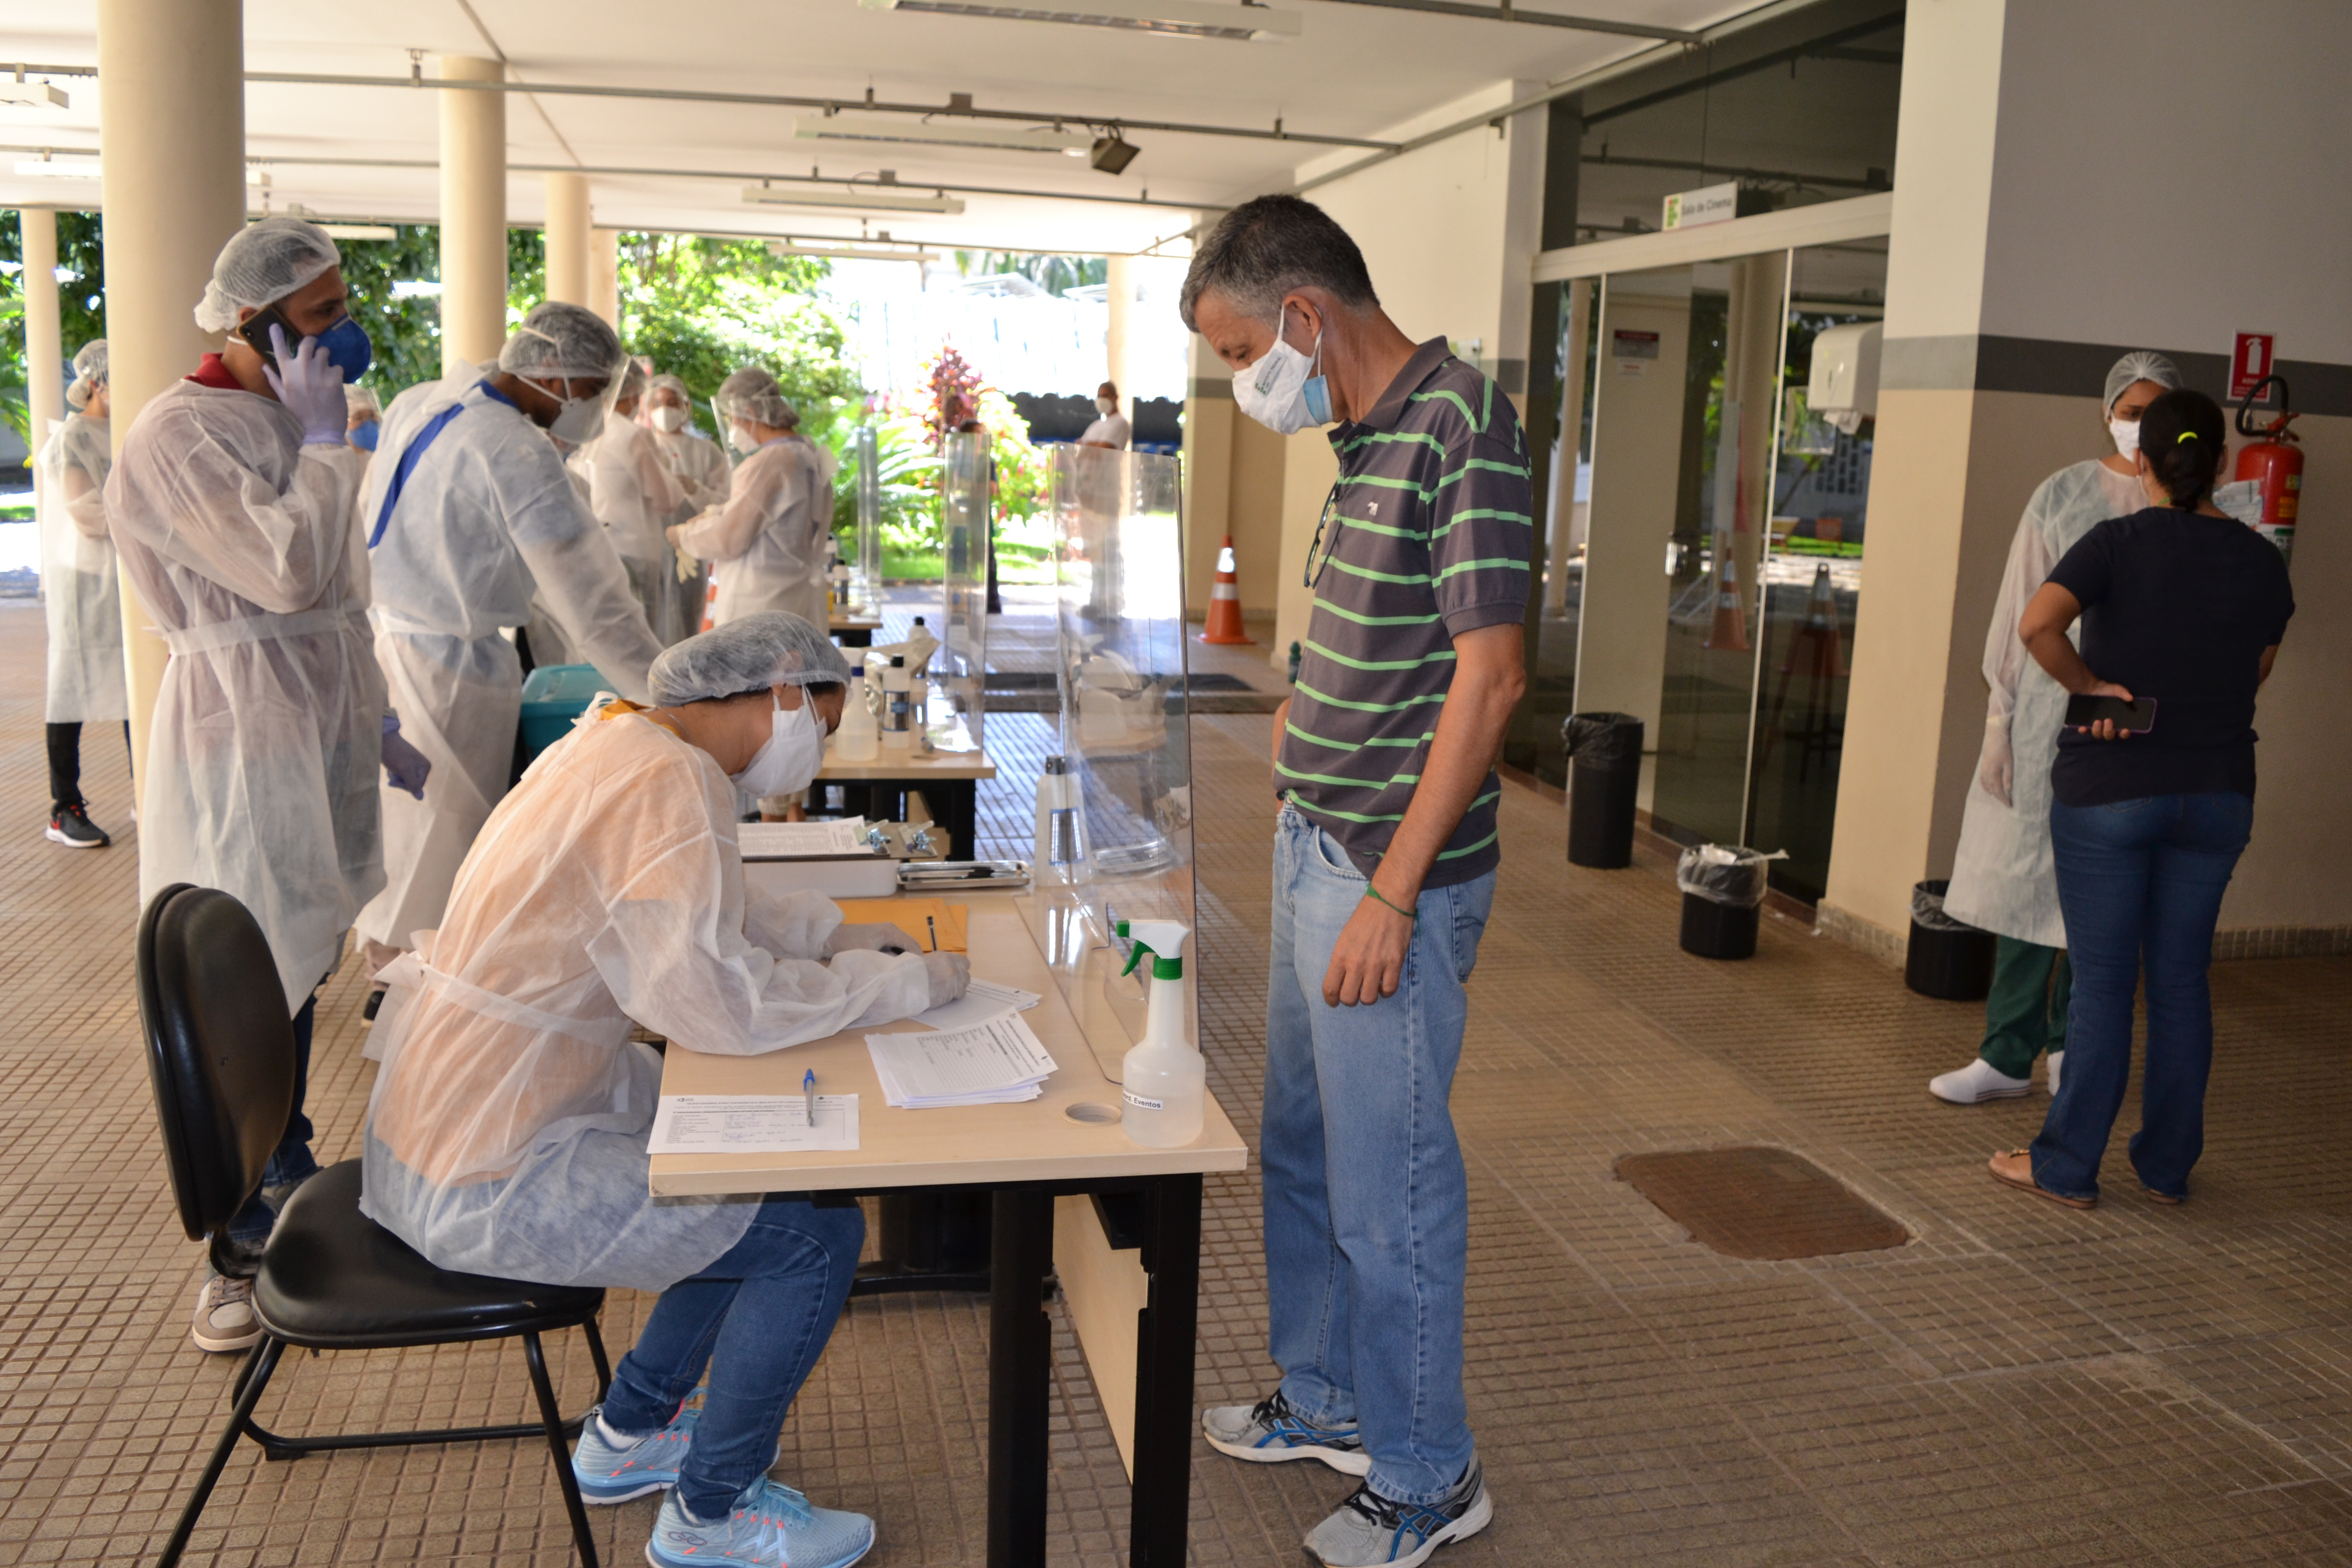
<point x="347" y="346"/>
<point x="364" y="435"/>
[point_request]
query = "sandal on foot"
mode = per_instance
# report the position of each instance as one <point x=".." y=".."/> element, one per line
<point x="2015" y="1169"/>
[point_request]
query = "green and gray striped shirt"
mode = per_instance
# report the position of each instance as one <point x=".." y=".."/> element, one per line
<point x="1429" y="535"/>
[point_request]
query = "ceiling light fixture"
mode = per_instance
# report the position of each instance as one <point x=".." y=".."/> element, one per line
<point x="39" y="94"/>
<point x="847" y="252"/>
<point x="360" y="231"/>
<point x="49" y="169"/>
<point x="987" y="136"/>
<point x="1169" y="18"/>
<point x="858" y="200"/>
<point x="1114" y="153"/>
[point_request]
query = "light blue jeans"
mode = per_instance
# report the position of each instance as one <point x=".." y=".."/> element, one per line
<point x="1367" y="1208"/>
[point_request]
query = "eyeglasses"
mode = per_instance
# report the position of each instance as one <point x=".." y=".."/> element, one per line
<point x="1314" y="572"/>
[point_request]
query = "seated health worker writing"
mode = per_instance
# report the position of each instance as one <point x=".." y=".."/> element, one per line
<point x="508" y="1131"/>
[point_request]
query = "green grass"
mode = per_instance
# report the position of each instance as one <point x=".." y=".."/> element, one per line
<point x="1015" y="562"/>
<point x="21" y="511"/>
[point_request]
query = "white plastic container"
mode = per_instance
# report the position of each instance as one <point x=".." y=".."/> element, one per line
<point x="860" y="739"/>
<point x="1164" y="1082"/>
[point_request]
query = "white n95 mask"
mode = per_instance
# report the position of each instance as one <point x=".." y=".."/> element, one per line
<point x="742" y="440"/>
<point x="793" y="753"/>
<point x="1105" y="407"/>
<point x="580" y="421"/>
<point x="669" y="418"/>
<point x="1282" y="390"/>
<point x="2127" y="434"/>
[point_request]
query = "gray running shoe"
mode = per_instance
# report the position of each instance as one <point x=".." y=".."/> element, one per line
<point x="1270" y="1431"/>
<point x="1371" y="1532"/>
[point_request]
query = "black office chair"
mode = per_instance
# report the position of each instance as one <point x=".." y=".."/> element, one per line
<point x="221" y="1052"/>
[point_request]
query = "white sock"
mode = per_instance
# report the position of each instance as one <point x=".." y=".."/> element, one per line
<point x="617" y="1439"/>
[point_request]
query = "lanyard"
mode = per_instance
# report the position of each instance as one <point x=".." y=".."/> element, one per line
<point x="1330" y="517"/>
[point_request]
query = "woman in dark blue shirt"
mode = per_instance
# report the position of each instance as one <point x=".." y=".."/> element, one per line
<point x="2182" y="605"/>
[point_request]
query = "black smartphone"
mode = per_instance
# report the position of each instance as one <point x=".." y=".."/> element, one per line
<point x="2138" y="716"/>
<point x="254" y="330"/>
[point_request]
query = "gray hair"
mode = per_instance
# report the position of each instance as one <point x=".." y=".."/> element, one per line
<point x="1270" y="246"/>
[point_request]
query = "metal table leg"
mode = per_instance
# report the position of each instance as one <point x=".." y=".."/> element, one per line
<point x="1020" y="1372"/>
<point x="1162" y="1498"/>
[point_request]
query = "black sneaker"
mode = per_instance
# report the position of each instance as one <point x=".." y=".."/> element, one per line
<point x="72" y="827"/>
<point x="1372" y="1531"/>
<point x="373" y="1005"/>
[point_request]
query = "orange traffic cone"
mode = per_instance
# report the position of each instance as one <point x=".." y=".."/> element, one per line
<point x="1817" y="642"/>
<point x="1730" y="629"/>
<point x="709" y="607"/>
<point x="1225" y="601"/>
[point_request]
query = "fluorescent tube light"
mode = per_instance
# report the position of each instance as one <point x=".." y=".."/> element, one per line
<point x="848" y="252"/>
<point x="360" y="231"/>
<point x="861" y="200"/>
<point x="49" y="169"/>
<point x="39" y="94"/>
<point x="1171" y="18"/>
<point x="995" y="136"/>
<point x="417" y="289"/>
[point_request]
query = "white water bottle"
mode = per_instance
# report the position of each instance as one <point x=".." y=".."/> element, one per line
<point x="1164" y="1082"/>
<point x="860" y="739"/>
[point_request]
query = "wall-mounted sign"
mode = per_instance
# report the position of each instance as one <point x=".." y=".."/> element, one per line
<point x="2251" y="361"/>
<point x="1634" y="351"/>
<point x="1709" y="203"/>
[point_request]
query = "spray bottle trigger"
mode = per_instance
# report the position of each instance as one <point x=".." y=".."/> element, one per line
<point x="1136" y="956"/>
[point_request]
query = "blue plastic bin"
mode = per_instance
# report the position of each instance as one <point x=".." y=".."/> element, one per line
<point x="554" y="695"/>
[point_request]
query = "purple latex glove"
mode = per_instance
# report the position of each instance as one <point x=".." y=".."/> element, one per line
<point x="404" y="765"/>
<point x="311" y="388"/>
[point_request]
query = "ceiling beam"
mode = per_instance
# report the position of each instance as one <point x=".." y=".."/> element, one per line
<point x="1506" y="12"/>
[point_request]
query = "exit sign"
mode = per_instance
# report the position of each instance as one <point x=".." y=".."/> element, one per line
<point x="2251" y="361"/>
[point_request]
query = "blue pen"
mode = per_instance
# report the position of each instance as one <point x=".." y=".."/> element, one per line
<point x="808" y="1090"/>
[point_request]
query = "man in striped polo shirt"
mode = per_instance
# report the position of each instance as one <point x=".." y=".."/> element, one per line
<point x="1385" y="854"/>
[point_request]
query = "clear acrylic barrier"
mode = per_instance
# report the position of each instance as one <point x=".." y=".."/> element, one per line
<point x="1120" y="571"/>
<point x="959" y="670"/>
<point x="866" y="567"/>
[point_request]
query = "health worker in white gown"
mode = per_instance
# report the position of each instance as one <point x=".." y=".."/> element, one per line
<point x="635" y="496"/>
<point x="509" y="1128"/>
<point x="232" y="512"/>
<point x="703" y="473"/>
<point x="470" y="512"/>
<point x="2003" y="879"/>
<point x="81" y="595"/>
<point x="766" y="542"/>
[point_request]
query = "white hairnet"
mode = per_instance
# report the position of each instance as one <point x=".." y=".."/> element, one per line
<point x="773" y="647"/>
<point x="672" y="383"/>
<point x="89" y="372"/>
<point x="357" y="397"/>
<point x="2140" y="364"/>
<point x="557" y="342"/>
<point x="752" y="393"/>
<point x="262" y="264"/>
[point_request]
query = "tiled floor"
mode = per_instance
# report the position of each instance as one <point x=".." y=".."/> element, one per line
<point x="2021" y="1383"/>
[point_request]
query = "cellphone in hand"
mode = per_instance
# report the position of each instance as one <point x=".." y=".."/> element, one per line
<point x="254" y="330"/>
<point x="2138" y="716"/>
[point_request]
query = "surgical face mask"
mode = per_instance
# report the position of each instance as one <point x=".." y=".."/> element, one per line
<point x="742" y="440"/>
<point x="669" y="418"/>
<point x="364" y="435"/>
<point x="793" y="753"/>
<point x="580" y="420"/>
<point x="1282" y="390"/>
<point x="2127" y="434"/>
<point x="1107" y="406"/>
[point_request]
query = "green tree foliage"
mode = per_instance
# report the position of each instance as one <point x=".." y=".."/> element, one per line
<point x="703" y="309"/>
<point x="81" y="303"/>
<point x="1057" y="275"/>
<point x="405" y="328"/>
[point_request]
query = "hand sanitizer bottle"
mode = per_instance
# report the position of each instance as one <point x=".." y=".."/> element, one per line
<point x="1163" y="1080"/>
<point x="860" y="739"/>
<point x="1060" y="855"/>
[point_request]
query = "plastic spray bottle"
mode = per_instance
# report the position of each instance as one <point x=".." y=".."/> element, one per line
<point x="860" y="739"/>
<point x="1163" y="1080"/>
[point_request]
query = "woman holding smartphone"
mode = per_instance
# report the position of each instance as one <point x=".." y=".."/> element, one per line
<point x="2182" y="610"/>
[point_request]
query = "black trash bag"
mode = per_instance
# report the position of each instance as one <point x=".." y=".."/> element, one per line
<point x="1724" y="874"/>
<point x="1602" y="740"/>
<point x="1928" y="909"/>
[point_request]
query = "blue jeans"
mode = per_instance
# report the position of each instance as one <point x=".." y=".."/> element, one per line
<point x="757" y="1318"/>
<point x="1367" y="1208"/>
<point x="2138" y="880"/>
<point x="291" y="1161"/>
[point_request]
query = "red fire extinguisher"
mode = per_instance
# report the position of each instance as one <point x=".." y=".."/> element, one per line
<point x="2273" y="460"/>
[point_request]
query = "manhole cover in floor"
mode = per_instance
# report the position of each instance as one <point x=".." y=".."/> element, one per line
<point x="1754" y="1202"/>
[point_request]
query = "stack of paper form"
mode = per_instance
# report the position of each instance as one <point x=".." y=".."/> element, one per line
<point x="991" y="1063"/>
<point x="804" y="841"/>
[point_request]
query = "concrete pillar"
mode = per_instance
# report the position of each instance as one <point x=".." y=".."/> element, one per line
<point x="172" y="121"/>
<point x="44" y="347"/>
<point x="473" y="215"/>
<point x="570" y="265"/>
<point x="605" y="274"/>
<point x="1565" y="531"/>
<point x="1209" y="415"/>
<point x="1119" y="292"/>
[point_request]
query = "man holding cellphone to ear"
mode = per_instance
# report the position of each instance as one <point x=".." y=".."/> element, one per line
<point x="1385" y="858"/>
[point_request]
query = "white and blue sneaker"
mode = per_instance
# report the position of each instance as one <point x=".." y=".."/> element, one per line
<point x="770" y="1526"/>
<point x="612" y="1468"/>
<point x="1270" y="1431"/>
<point x="1372" y="1531"/>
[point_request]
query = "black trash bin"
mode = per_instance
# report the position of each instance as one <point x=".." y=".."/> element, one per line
<point x="1947" y="959"/>
<point x="1723" y="892"/>
<point x="1605" y="753"/>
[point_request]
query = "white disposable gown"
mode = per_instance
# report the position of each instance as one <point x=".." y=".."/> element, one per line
<point x="765" y="543"/>
<point x="635" y="496"/>
<point x="263" y="758"/>
<point x="487" y="517"/>
<point x="80" y="591"/>
<point x="506" y="1133"/>
<point x="2002" y="878"/>
<point x="704" y="473"/>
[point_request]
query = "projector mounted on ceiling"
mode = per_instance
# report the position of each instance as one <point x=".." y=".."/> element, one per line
<point x="992" y="136"/>
<point x="1171" y="18"/>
